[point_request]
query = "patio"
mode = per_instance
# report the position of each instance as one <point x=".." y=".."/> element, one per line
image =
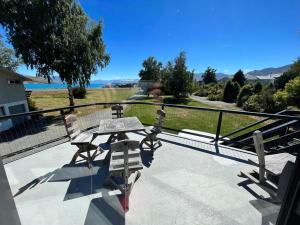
<point x="186" y="182"/>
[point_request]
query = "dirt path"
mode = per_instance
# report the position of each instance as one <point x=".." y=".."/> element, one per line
<point x="219" y="104"/>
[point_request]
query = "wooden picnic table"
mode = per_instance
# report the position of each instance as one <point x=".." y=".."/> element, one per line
<point x="119" y="125"/>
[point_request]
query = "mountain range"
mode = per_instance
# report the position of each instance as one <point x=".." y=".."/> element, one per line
<point x="262" y="72"/>
<point x="198" y="76"/>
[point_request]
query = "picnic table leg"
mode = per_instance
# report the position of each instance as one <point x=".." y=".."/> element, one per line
<point x="88" y="156"/>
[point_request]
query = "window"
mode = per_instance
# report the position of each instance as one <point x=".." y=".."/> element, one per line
<point x="14" y="82"/>
<point x="2" y="111"/>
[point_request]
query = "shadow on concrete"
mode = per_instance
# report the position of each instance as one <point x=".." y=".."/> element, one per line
<point x="269" y="212"/>
<point x="216" y="153"/>
<point x="147" y="157"/>
<point x="105" y="210"/>
<point x="84" y="181"/>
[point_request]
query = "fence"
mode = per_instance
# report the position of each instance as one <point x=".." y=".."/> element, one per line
<point x="45" y="128"/>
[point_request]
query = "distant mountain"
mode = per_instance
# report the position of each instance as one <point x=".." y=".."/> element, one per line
<point x="116" y="81"/>
<point x="268" y="71"/>
<point x="198" y="76"/>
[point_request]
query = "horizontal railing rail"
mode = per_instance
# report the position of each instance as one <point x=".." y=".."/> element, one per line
<point x="44" y="126"/>
<point x="240" y="112"/>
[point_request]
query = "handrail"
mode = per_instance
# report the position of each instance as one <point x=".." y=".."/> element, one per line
<point x="248" y="126"/>
<point x="157" y="104"/>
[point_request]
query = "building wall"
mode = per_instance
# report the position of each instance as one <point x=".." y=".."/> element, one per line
<point x="11" y="95"/>
<point x="10" y="92"/>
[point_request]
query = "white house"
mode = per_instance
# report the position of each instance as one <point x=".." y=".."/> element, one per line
<point x="12" y="97"/>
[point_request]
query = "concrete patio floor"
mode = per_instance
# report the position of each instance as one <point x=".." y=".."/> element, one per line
<point x="186" y="182"/>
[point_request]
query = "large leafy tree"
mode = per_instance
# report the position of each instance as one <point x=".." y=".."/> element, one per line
<point x="209" y="76"/>
<point x="7" y="57"/>
<point x="151" y="70"/>
<point x="181" y="81"/>
<point x="55" y="36"/>
<point x="239" y="77"/>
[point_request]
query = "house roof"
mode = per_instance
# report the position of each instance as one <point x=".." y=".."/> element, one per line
<point x="13" y="74"/>
<point x="27" y="79"/>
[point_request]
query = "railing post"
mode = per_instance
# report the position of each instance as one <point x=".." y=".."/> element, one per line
<point x="219" y="127"/>
<point x="62" y="113"/>
<point x="260" y="151"/>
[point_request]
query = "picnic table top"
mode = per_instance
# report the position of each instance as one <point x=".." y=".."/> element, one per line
<point x="119" y="125"/>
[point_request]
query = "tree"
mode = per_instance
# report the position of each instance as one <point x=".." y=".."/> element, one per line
<point x="257" y="88"/>
<point x="292" y="88"/>
<point x="55" y="36"/>
<point x="7" y="57"/>
<point x="209" y="76"/>
<point x="181" y="81"/>
<point x="166" y="74"/>
<point x="245" y="92"/>
<point x="292" y="72"/>
<point x="151" y="70"/>
<point x="239" y="77"/>
<point x="231" y="91"/>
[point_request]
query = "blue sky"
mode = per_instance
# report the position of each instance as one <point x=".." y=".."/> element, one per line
<point x="224" y="34"/>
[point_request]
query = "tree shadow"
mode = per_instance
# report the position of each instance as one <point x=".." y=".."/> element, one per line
<point x="172" y="100"/>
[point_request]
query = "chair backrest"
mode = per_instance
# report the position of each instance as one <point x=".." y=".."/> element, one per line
<point x="71" y="125"/>
<point x="117" y="111"/>
<point x="160" y="119"/>
<point x="125" y="155"/>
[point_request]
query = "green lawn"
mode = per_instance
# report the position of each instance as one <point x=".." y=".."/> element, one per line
<point x="177" y="119"/>
<point x="59" y="98"/>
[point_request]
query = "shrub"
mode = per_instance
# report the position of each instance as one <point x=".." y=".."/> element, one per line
<point x="257" y="88"/>
<point x="253" y="104"/>
<point x="292" y="89"/>
<point x="31" y="105"/>
<point x="266" y="101"/>
<point x="79" y="92"/>
<point x="215" y="93"/>
<point x="202" y="92"/>
<point x="231" y="91"/>
<point x="245" y="92"/>
<point x="281" y="99"/>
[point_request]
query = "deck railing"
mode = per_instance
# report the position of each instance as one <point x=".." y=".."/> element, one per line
<point x="38" y="130"/>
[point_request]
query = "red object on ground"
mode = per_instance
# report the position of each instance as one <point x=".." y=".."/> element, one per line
<point x="125" y="202"/>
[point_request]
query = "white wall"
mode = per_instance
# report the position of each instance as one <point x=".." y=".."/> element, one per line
<point x="6" y="124"/>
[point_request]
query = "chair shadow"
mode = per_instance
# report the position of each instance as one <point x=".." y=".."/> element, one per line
<point x="147" y="157"/>
<point x="105" y="210"/>
<point x="268" y="210"/>
<point x="83" y="180"/>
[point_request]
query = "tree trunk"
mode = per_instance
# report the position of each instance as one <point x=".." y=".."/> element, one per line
<point x="71" y="97"/>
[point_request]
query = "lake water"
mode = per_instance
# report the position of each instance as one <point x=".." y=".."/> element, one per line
<point x="57" y="86"/>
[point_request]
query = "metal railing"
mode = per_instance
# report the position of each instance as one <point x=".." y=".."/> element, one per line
<point x="37" y="130"/>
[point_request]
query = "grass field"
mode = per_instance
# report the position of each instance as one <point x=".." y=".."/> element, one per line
<point x="178" y="119"/>
<point x="59" y="98"/>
